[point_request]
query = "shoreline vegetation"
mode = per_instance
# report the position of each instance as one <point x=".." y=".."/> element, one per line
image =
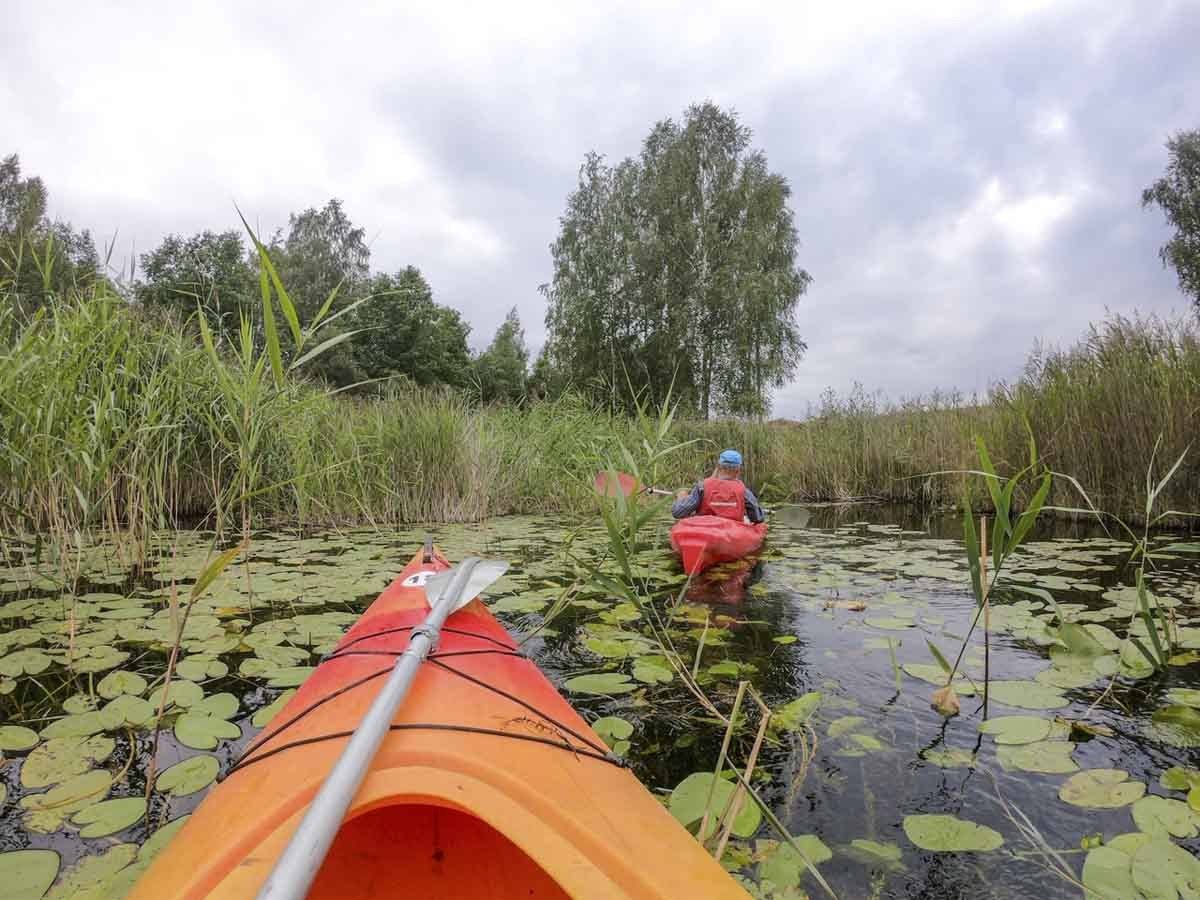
<point x="113" y="418"/>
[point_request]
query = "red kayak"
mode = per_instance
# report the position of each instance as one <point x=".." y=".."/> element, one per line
<point x="704" y="541"/>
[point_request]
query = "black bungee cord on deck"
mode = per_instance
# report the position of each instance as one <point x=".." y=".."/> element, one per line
<point x="590" y="749"/>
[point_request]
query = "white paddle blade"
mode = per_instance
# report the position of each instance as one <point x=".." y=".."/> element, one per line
<point x="485" y="573"/>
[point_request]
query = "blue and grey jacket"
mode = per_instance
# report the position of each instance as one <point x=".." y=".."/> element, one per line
<point x="688" y="505"/>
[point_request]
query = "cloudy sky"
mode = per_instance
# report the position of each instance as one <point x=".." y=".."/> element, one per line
<point x="966" y="176"/>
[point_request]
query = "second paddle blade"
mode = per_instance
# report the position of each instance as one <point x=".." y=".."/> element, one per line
<point x="483" y="575"/>
<point x="610" y="484"/>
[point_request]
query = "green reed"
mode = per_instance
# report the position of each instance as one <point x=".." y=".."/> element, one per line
<point x="116" y="417"/>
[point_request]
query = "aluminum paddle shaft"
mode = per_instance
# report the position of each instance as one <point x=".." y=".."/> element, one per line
<point x="300" y="861"/>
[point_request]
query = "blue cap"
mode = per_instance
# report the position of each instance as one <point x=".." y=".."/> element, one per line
<point x="730" y="458"/>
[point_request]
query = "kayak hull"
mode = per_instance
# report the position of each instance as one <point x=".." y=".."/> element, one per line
<point x="474" y="793"/>
<point x="705" y="541"/>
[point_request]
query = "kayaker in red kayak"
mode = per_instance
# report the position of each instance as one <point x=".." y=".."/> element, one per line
<point x="722" y="494"/>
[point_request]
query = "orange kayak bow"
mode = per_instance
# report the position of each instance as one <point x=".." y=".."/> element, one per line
<point x="488" y="785"/>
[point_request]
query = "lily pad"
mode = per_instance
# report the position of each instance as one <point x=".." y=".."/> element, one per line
<point x="193" y="774"/>
<point x="100" y="659"/>
<point x="267" y="713"/>
<point x="78" y="725"/>
<point x="519" y="603"/>
<point x="1184" y="697"/>
<point x="889" y="623"/>
<point x="26" y="874"/>
<point x="1161" y="816"/>
<point x="727" y="669"/>
<point x="45" y="813"/>
<point x="609" y="648"/>
<point x="874" y="853"/>
<point x="114" y="684"/>
<point x="1078" y="641"/>
<point x="109" y="816"/>
<point x="1104" y="637"/>
<point x="860" y="741"/>
<point x="223" y="706"/>
<point x="122" y="882"/>
<point x="1026" y="695"/>
<point x="950" y="834"/>
<point x="17" y="739"/>
<point x="1017" y="729"/>
<point x="201" y="732"/>
<point x="1049" y="757"/>
<point x="1079" y="672"/>
<point x="1107" y="874"/>
<point x="120" y="613"/>
<point x="687" y="803"/>
<point x="1130" y="842"/>
<point x="1178" y="726"/>
<point x="80" y="703"/>
<point x="60" y="759"/>
<point x="783" y="866"/>
<point x="934" y="674"/>
<point x="950" y="758"/>
<point x="201" y="668"/>
<point x="126" y="710"/>
<point x="179" y="693"/>
<point x="1162" y="869"/>
<point x="651" y="673"/>
<point x="1101" y="789"/>
<point x="290" y="676"/>
<point x="1178" y="778"/>
<point x="85" y="880"/>
<point x="613" y="729"/>
<point x="282" y="657"/>
<point x="600" y="683"/>
<point x="795" y="713"/>
<point x="845" y="724"/>
<point x="24" y="662"/>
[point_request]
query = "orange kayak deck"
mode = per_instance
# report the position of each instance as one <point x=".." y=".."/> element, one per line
<point x="489" y="785"/>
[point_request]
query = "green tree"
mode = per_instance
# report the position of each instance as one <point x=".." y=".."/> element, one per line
<point x="679" y="268"/>
<point x="39" y="258"/>
<point x="406" y="333"/>
<point x="501" y="370"/>
<point x="207" y="269"/>
<point x="546" y="380"/>
<point x="321" y="253"/>
<point x="1177" y="193"/>
<point x="765" y="346"/>
<point x="22" y="200"/>
<point x="593" y="326"/>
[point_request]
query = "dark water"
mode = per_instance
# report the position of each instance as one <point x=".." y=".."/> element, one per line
<point x="823" y="560"/>
<point x="840" y="581"/>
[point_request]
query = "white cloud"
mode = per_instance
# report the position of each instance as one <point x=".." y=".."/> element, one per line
<point x="942" y="155"/>
<point x="1052" y="123"/>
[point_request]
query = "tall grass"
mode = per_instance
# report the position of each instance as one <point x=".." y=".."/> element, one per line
<point x="1127" y="393"/>
<point x="113" y="417"/>
<point x="117" y="418"/>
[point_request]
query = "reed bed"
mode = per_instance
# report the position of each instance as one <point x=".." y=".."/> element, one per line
<point x="112" y="417"/>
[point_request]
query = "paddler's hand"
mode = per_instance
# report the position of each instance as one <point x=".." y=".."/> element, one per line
<point x="679" y="495"/>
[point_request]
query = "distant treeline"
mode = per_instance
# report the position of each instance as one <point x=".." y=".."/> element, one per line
<point x="398" y="328"/>
<point x="674" y="272"/>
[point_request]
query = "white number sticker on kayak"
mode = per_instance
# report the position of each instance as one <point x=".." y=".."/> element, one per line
<point x="418" y="579"/>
